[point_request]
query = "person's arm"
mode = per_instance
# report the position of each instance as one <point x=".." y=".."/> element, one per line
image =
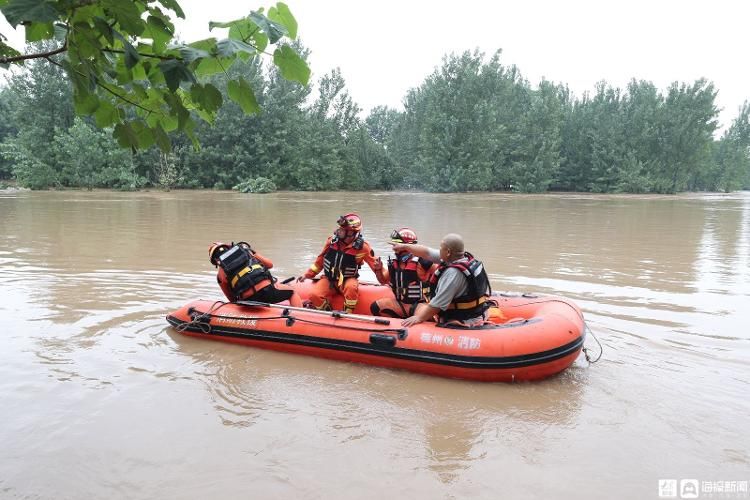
<point x="368" y="255"/>
<point x="383" y="276"/>
<point x="418" y="250"/>
<point x="317" y="265"/>
<point x="424" y="312"/>
<point x="263" y="260"/>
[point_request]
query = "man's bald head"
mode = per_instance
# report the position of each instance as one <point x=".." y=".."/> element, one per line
<point x="453" y="246"/>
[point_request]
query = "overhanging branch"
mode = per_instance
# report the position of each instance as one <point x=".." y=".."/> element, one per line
<point x="39" y="55"/>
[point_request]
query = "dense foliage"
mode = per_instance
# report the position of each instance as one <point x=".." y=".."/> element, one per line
<point x="126" y="72"/>
<point x="473" y="124"/>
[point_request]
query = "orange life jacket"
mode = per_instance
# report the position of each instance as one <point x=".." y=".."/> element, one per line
<point x="405" y="282"/>
<point x="340" y="259"/>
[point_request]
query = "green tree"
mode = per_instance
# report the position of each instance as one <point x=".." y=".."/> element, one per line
<point x="8" y="129"/>
<point x="685" y="135"/>
<point x="40" y="100"/>
<point x="126" y="72"/>
<point x="89" y="158"/>
<point x="538" y="158"/>
<point x="380" y="123"/>
<point x="335" y="104"/>
<point x="732" y="155"/>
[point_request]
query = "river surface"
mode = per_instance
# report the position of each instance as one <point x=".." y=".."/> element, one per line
<point x="99" y="398"/>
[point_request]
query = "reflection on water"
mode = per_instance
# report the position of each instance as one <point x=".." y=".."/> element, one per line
<point x="89" y="372"/>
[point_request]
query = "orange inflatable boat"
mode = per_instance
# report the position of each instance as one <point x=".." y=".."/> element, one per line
<point x="536" y="336"/>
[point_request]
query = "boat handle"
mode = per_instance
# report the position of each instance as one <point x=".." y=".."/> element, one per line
<point x="382" y="340"/>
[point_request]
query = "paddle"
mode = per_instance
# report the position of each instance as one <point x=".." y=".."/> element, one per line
<point x="334" y="314"/>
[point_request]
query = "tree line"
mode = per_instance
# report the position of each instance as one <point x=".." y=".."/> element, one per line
<point x="474" y="124"/>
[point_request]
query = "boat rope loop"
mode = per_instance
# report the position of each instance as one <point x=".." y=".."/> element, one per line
<point x="586" y="328"/>
<point x="586" y="350"/>
<point x="199" y="319"/>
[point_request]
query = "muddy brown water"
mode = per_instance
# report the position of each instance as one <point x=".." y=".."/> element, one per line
<point x="99" y="398"/>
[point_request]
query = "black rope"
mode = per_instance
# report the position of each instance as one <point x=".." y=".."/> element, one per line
<point x="201" y="320"/>
<point x="586" y="349"/>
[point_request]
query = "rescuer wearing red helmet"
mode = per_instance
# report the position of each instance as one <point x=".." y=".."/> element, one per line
<point x="408" y="277"/>
<point x="340" y="260"/>
<point x="243" y="274"/>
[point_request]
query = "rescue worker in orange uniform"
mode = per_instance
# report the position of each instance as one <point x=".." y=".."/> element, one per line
<point x="243" y="274"/>
<point x="408" y="277"/>
<point x="340" y="260"/>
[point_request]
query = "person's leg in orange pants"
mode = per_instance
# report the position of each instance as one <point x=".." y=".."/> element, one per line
<point x="350" y="290"/>
<point x="320" y="294"/>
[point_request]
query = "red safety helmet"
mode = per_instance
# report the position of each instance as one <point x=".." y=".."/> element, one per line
<point x="404" y="235"/>
<point x="350" y="222"/>
<point x="215" y="250"/>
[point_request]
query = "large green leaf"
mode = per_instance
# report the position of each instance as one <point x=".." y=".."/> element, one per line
<point x="190" y="54"/>
<point x="177" y="108"/>
<point x="139" y="72"/>
<point x="273" y="29"/>
<point x="105" y="115"/>
<point x="127" y="15"/>
<point x="39" y="31"/>
<point x="7" y="51"/>
<point x="189" y="130"/>
<point x="175" y="72"/>
<point x="212" y="65"/>
<point x="18" y="11"/>
<point x="241" y="93"/>
<point x="143" y="133"/>
<point x="207" y="44"/>
<point x="131" y="55"/>
<point x="159" y="32"/>
<point x="282" y="15"/>
<point x="125" y="136"/>
<point x="162" y="139"/>
<point x="172" y="4"/>
<point x="230" y="47"/>
<point x="291" y="65"/>
<point x="84" y="41"/>
<point x="85" y="103"/>
<point x="104" y="29"/>
<point x="206" y="97"/>
<point x="244" y="30"/>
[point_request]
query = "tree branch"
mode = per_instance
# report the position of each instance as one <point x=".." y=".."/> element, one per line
<point x="155" y="56"/>
<point x="40" y="55"/>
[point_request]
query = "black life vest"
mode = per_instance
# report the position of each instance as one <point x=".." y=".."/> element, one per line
<point x="405" y="282"/>
<point x="340" y="260"/>
<point x="243" y="270"/>
<point x="473" y="303"/>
